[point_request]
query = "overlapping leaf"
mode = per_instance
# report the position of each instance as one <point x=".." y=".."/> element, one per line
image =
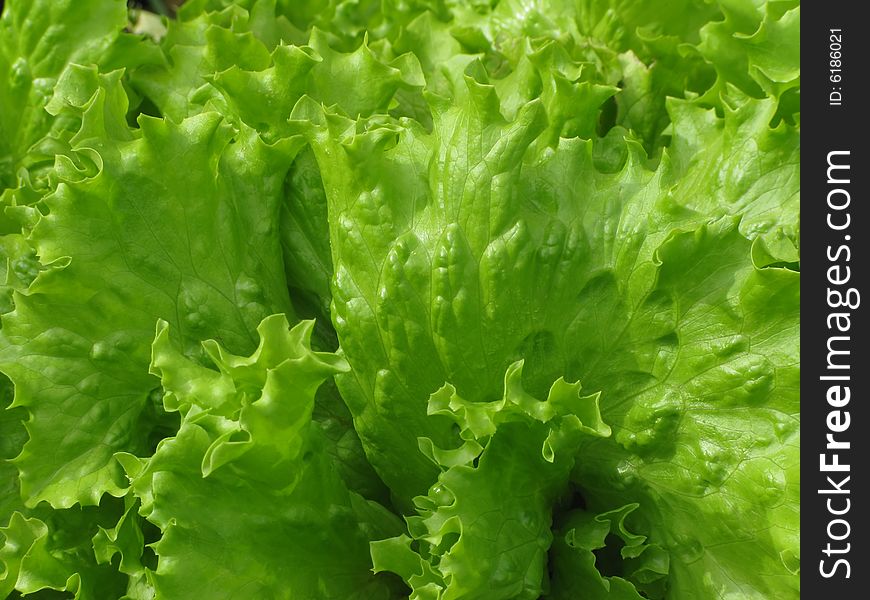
<point x="134" y="242"/>
<point x="37" y="40"/>
<point x="248" y="502"/>
<point x="443" y="244"/>
<point x="475" y="200"/>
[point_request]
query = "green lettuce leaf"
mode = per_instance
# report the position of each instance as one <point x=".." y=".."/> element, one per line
<point x="484" y="528"/>
<point x="52" y="551"/>
<point x="442" y="243"/>
<point x="709" y="446"/>
<point x="749" y="168"/>
<point x="37" y="40"/>
<point x="598" y="556"/>
<point x="469" y="204"/>
<point x="755" y="47"/>
<point x="76" y="344"/>
<point x="248" y="502"/>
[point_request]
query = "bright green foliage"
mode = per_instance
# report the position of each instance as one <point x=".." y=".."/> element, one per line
<point x="486" y="521"/>
<point x="37" y="40"/>
<point x="453" y="300"/>
<point x="246" y="497"/>
<point x="119" y="249"/>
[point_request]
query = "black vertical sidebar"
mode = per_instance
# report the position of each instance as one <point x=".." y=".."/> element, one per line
<point x="835" y="300"/>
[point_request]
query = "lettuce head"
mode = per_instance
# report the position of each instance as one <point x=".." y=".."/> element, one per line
<point x="385" y="299"/>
